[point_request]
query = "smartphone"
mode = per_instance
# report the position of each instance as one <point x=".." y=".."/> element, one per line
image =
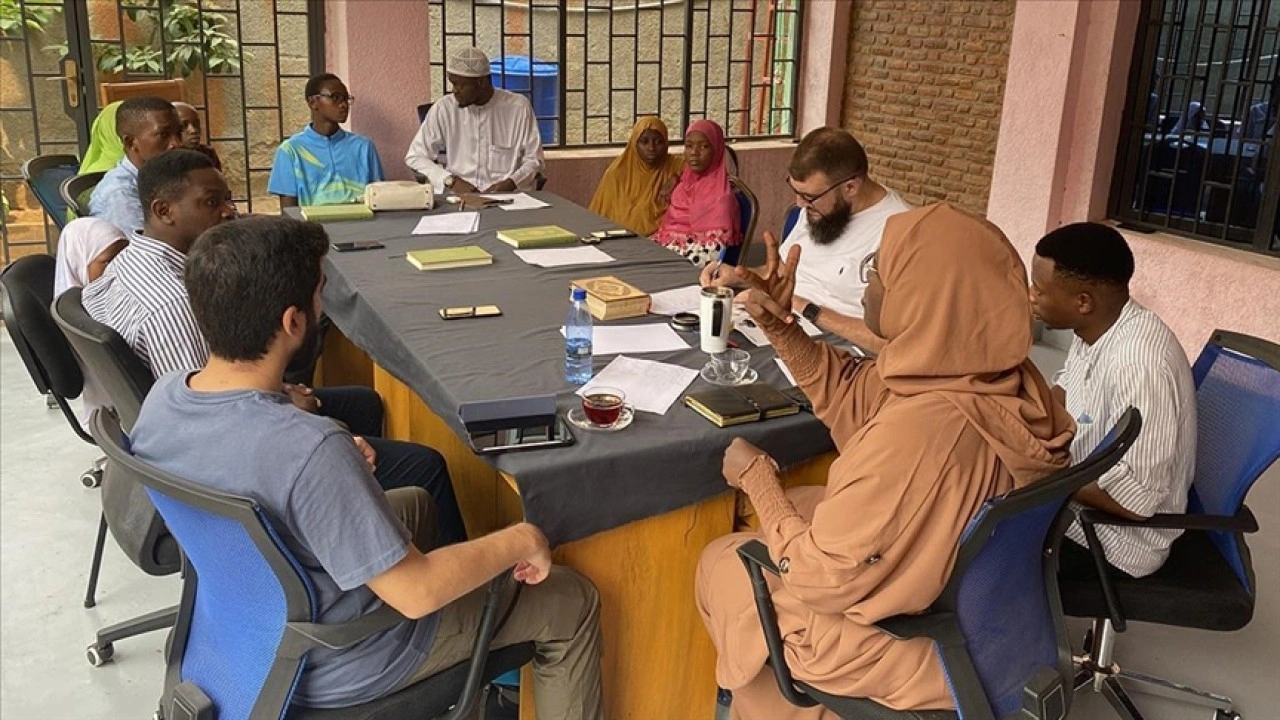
<point x="529" y="433"/>
<point x="357" y="245"/>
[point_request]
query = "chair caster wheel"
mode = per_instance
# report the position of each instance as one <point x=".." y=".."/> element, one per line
<point x="99" y="656"/>
<point x="91" y="478"/>
<point x="1225" y="715"/>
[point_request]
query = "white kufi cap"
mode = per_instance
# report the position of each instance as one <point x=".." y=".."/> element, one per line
<point x="468" y="62"/>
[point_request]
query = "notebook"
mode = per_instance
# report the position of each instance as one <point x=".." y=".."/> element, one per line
<point x="537" y="237"/>
<point x="334" y="213"/>
<point x="446" y="258"/>
<point x="741" y="404"/>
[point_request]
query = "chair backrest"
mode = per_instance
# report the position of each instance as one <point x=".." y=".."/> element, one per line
<point x="242" y="586"/>
<point x="27" y="290"/>
<point x="789" y="222"/>
<point x="1238" y="419"/>
<point x="77" y="189"/>
<point x="1004" y="590"/>
<point x="45" y="175"/>
<point x="748" y="211"/>
<point x="423" y="109"/>
<point x="172" y="90"/>
<point x="105" y="356"/>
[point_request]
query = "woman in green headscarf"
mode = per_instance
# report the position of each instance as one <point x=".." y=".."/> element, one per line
<point x="105" y="146"/>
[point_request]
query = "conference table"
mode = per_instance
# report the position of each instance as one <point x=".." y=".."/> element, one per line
<point x="631" y="510"/>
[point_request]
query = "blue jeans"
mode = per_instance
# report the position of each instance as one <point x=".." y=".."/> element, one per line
<point x="399" y="464"/>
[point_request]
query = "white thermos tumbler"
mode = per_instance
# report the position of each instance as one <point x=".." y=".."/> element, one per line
<point x="716" y="319"/>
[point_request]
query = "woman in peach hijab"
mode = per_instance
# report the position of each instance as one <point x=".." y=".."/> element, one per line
<point x="636" y="188"/>
<point x="950" y="414"/>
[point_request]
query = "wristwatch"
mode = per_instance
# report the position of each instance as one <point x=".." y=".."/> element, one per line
<point x="810" y="312"/>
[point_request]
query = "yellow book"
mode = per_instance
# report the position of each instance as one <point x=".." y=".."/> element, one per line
<point x="537" y="237"/>
<point x="334" y="213"/>
<point x="609" y="298"/>
<point x="446" y="258"/>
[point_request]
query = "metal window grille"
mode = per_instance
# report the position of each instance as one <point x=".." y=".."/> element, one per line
<point x="1196" y="154"/>
<point x="599" y="65"/>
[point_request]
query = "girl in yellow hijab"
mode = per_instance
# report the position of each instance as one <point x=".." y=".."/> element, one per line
<point x="636" y="188"/>
<point x="105" y="146"/>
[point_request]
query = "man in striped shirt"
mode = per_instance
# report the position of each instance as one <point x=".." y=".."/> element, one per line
<point x="141" y="295"/>
<point x="1122" y="356"/>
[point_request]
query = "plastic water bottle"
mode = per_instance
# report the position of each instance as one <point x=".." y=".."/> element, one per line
<point x="577" y="340"/>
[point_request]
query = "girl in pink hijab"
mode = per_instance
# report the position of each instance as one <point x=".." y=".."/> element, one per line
<point x="702" y="219"/>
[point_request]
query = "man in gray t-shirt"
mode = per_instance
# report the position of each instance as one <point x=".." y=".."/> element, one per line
<point x="255" y="293"/>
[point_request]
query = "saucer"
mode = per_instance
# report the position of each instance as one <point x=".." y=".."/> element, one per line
<point x="747" y="379"/>
<point x="578" y="419"/>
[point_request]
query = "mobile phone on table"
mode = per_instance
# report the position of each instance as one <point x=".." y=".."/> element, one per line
<point x="470" y="311"/>
<point x="355" y="245"/>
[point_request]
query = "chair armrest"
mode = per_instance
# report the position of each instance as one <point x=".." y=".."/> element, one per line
<point x="305" y="636"/>
<point x="1088" y="517"/>
<point x="755" y="556"/>
<point x="1243" y="521"/>
<point x="939" y="626"/>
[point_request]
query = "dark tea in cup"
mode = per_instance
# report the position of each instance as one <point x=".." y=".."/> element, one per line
<point x="603" y="405"/>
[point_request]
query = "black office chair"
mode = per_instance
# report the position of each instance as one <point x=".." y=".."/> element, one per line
<point x="126" y="509"/>
<point x="1208" y="581"/>
<point x="26" y="289"/>
<point x="77" y="190"/>
<point x="44" y="175"/>
<point x="247" y="618"/>
<point x="748" y="212"/>
<point x="998" y="624"/>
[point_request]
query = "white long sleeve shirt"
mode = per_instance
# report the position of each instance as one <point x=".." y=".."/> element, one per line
<point x="1137" y="362"/>
<point x="482" y="144"/>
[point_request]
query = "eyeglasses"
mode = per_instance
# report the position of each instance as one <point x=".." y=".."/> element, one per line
<point x="866" y="267"/>
<point x="809" y="200"/>
<point x="338" y="98"/>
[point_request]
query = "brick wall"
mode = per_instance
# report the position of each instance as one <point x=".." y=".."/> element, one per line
<point x="923" y="94"/>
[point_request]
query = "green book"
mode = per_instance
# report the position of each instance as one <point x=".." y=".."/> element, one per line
<point x="334" y="213"/>
<point x="445" y="258"/>
<point x="537" y="237"/>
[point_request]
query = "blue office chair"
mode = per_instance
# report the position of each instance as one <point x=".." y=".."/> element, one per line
<point x="748" y="210"/>
<point x="247" y="618"/>
<point x="45" y="175"/>
<point x="1208" y="580"/>
<point x="789" y="222"/>
<point x="998" y="625"/>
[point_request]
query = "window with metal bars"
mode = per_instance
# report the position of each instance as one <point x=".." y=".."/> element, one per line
<point x="1196" y="154"/>
<point x="592" y="67"/>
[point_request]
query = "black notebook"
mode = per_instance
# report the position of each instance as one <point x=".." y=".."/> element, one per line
<point x="741" y="404"/>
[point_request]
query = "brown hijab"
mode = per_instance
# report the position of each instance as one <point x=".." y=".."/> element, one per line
<point x="958" y="323"/>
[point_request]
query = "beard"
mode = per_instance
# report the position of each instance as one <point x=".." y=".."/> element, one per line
<point x="304" y="360"/>
<point x="829" y="227"/>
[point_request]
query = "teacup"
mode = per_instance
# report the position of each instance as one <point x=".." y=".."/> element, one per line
<point x="603" y="405"/>
<point x="730" y="366"/>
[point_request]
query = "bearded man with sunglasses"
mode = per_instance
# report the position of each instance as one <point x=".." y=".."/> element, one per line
<point x="844" y="216"/>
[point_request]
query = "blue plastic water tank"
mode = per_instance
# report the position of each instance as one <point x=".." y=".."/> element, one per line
<point x="539" y="81"/>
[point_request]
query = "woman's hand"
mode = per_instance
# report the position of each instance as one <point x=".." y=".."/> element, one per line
<point x="769" y="303"/>
<point x="664" y="192"/>
<point x="737" y="458"/>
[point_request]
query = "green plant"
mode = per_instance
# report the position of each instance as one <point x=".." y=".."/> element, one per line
<point x="193" y="39"/>
<point x="35" y="19"/>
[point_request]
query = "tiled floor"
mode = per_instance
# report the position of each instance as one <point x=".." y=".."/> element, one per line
<point x="47" y="525"/>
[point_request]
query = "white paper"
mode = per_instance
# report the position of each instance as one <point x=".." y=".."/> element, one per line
<point x="678" y="300"/>
<point x="785" y="370"/>
<point x="448" y="223"/>
<point x="558" y="257"/>
<point x="519" y="201"/>
<point x="752" y="332"/>
<point x="649" y="386"/>
<point x="616" y="340"/>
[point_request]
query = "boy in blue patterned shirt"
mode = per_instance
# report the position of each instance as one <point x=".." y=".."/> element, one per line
<point x="324" y="164"/>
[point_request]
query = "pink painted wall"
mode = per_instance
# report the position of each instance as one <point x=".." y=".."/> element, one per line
<point x="1064" y="101"/>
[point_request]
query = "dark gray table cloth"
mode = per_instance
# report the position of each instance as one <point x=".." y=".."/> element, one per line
<point x="660" y="463"/>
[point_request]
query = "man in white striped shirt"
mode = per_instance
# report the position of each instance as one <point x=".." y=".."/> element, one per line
<point x="1123" y="355"/>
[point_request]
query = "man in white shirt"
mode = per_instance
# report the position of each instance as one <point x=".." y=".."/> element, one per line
<point x="488" y="135"/>
<point x="1122" y="356"/>
<point x="843" y="219"/>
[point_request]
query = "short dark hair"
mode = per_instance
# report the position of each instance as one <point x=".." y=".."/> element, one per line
<point x="242" y="276"/>
<point x="164" y="176"/>
<point x="133" y="112"/>
<point x="316" y="81"/>
<point x="830" y="150"/>
<point x="1090" y="252"/>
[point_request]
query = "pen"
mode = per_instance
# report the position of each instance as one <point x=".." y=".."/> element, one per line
<point x="719" y="262"/>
